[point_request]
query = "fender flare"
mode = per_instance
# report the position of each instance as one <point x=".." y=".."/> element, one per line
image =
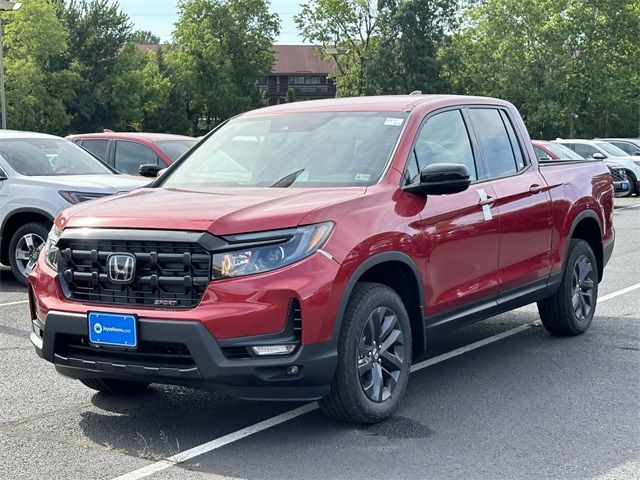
<point x="582" y="216"/>
<point x="354" y="278"/>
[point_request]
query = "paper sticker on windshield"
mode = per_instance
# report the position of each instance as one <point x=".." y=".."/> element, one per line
<point x="362" y="177"/>
<point x="394" y="122"/>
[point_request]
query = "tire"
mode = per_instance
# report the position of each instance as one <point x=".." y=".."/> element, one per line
<point x="27" y="250"/>
<point x="571" y="309"/>
<point x="113" y="386"/>
<point x="634" y="185"/>
<point x="374" y="344"/>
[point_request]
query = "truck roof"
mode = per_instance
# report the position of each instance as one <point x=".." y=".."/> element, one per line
<point x="382" y="103"/>
<point x="153" y="137"/>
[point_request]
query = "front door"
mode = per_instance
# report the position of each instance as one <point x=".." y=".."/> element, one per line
<point x="460" y="231"/>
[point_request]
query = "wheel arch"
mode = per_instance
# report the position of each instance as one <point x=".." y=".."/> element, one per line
<point x="13" y="221"/>
<point x="586" y="226"/>
<point x="399" y="272"/>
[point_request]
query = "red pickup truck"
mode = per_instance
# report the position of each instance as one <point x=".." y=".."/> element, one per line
<point x="308" y="251"/>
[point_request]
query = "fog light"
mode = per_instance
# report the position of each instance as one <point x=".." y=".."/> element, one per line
<point x="273" y="349"/>
<point x="293" y="370"/>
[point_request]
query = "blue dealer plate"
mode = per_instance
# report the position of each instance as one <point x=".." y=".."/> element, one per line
<point x="624" y="185"/>
<point x="111" y="329"/>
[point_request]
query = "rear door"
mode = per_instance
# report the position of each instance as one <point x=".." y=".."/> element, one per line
<point x="522" y="199"/>
<point x="460" y="230"/>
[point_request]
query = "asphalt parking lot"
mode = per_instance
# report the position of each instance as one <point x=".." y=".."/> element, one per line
<point x="500" y="399"/>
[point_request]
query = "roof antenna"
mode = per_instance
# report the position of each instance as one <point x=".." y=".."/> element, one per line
<point x="416" y="92"/>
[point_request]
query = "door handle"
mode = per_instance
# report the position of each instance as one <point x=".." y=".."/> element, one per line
<point x="487" y="201"/>
<point x="535" y="188"/>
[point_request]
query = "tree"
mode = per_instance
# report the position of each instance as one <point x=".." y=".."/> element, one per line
<point x="36" y="89"/>
<point x="98" y="31"/>
<point x="221" y="49"/>
<point x="291" y="95"/>
<point x="412" y="32"/>
<point x="570" y="66"/>
<point x="348" y="31"/>
<point x="144" y="37"/>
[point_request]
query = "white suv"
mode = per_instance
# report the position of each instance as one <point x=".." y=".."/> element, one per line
<point x="600" y="150"/>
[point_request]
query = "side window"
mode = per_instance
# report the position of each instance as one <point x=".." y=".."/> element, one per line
<point x="540" y="153"/>
<point x="513" y="138"/>
<point x="584" y="150"/>
<point x="627" y="147"/>
<point x="494" y="142"/>
<point x="130" y="155"/>
<point x="97" y="147"/>
<point x="442" y="139"/>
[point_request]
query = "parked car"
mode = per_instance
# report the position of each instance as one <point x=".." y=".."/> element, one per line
<point x="39" y="176"/>
<point x="308" y="251"/>
<point x="631" y="146"/>
<point x="127" y="152"/>
<point x="554" y="152"/>
<point x="599" y="149"/>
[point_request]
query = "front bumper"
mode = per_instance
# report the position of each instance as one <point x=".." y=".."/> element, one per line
<point x="251" y="378"/>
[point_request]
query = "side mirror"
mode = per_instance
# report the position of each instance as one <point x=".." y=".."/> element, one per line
<point x="636" y="153"/>
<point x="441" y="179"/>
<point x="150" y="170"/>
<point x="545" y="159"/>
<point x="598" y="156"/>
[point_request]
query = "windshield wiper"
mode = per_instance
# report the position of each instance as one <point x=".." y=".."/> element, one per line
<point x="287" y="180"/>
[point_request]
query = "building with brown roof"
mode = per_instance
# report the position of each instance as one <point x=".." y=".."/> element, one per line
<point x="298" y="68"/>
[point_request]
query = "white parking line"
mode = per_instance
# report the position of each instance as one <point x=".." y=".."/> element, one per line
<point x="14" y="303"/>
<point x="309" y="407"/>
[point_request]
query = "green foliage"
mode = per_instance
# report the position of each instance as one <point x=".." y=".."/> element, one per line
<point x="348" y="32"/>
<point x="222" y="49"/>
<point x="144" y="37"/>
<point x="412" y="32"/>
<point x="291" y="95"/>
<point x="571" y="66"/>
<point x="34" y="37"/>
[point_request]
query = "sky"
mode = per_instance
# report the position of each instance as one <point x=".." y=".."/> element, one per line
<point x="160" y="15"/>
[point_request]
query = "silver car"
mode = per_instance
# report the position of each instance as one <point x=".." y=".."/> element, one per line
<point x="39" y="176"/>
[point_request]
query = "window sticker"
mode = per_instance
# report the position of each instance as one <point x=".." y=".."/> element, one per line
<point x="394" y="122"/>
<point x="363" y="177"/>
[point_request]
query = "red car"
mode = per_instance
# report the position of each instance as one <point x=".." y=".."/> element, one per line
<point x="126" y="152"/>
<point x="556" y="151"/>
<point x="309" y="250"/>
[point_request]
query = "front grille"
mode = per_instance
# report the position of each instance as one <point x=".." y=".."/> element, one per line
<point x="146" y="354"/>
<point x="172" y="274"/>
<point x="618" y="174"/>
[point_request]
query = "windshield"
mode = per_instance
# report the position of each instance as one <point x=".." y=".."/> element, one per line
<point x="175" y="148"/>
<point x="300" y="150"/>
<point x="612" y="149"/>
<point x="49" y="156"/>
<point x="562" y="152"/>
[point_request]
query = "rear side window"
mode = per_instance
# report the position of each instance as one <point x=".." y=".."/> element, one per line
<point x="540" y="154"/>
<point x="442" y="139"/>
<point x="495" y="142"/>
<point x="583" y="149"/>
<point x="130" y="155"/>
<point x="628" y="148"/>
<point x="97" y="147"/>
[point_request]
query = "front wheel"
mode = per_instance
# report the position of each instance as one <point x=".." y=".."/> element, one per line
<point x="571" y="309"/>
<point x="24" y="248"/>
<point x="374" y="357"/>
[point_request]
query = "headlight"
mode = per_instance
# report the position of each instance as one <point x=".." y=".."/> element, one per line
<point x="267" y="251"/>
<point x="51" y="251"/>
<point x="77" y="197"/>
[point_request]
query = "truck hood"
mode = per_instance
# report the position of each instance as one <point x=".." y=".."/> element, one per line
<point x="90" y="183"/>
<point x="219" y="211"/>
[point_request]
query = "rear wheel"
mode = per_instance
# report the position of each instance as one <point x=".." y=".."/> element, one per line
<point x="24" y="248"/>
<point x="571" y="309"/>
<point x="374" y="357"/>
<point x="114" y="387"/>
